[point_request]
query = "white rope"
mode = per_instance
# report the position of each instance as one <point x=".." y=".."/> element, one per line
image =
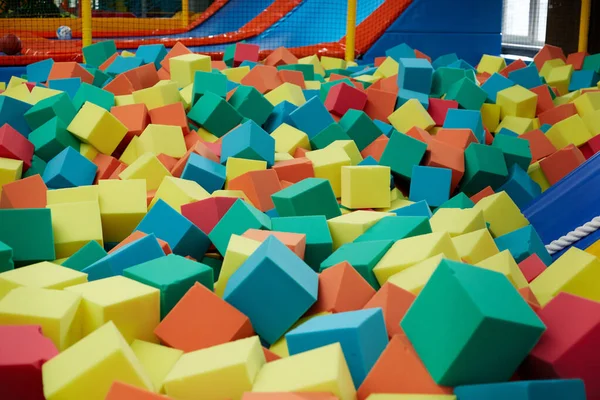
<point x="574" y="236"/>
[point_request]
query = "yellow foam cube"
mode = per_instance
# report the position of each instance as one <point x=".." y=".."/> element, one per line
<point x="517" y="101"/>
<point x="239" y="166"/>
<point x="126" y="53"/>
<point x="206" y="135"/>
<point x="312" y="85"/>
<point x="491" y="64"/>
<point x="131" y="305"/>
<point x="456" y="221"/>
<point x="161" y="94"/>
<point x="44" y="275"/>
<point x="505" y="263"/>
<point x="475" y="246"/>
<point x="409" y="115"/>
<point x="15" y="81"/>
<point x="238" y="251"/>
<point x="396" y="201"/>
<point x="72" y="195"/>
<point x="594" y="249"/>
<point x="74" y="225"/>
<point x="410" y="251"/>
<point x="163" y="139"/>
<point x="283" y="157"/>
<point x="133" y="151"/>
<point x="122" y="207"/>
<point x="567" y="98"/>
<point x="156" y="360"/>
<point x="288" y="139"/>
<point x="537" y="175"/>
<point x="185" y="66"/>
<point x="88" y="369"/>
<point x="414" y="278"/>
<point x="387" y="68"/>
<point x="39" y="93"/>
<point x="323" y="369"/>
<point x="327" y="164"/>
<point x="177" y="192"/>
<point x="20" y="92"/>
<point x="124" y="100"/>
<point x="378" y="396"/>
<point x="146" y="167"/>
<point x="575" y="272"/>
<point x="490" y="114"/>
<point x="280" y="346"/>
<point x="236" y="194"/>
<point x="346" y="228"/>
<point x="367" y="78"/>
<point x="10" y="171"/>
<point x="560" y="77"/>
<point x="549" y="66"/>
<point x="96" y="126"/>
<point x="366" y="187"/>
<point x="518" y="125"/>
<point x="236" y="74"/>
<point x="286" y="92"/>
<point x="349" y="146"/>
<point x="2" y="85"/>
<point x="501" y="213"/>
<point x="571" y="130"/>
<point x="314" y="61"/>
<point x="187" y="95"/>
<point x="587" y="103"/>
<point x="88" y="151"/>
<point x="332" y="63"/>
<point x="592" y="122"/>
<point x="54" y="310"/>
<point x="224" y="371"/>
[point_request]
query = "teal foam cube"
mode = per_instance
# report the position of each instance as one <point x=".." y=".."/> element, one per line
<point x="123" y="64"/>
<point x="520" y="187"/>
<point x="152" y="54"/>
<point x="430" y="184"/>
<point x="38" y="166"/>
<point x="59" y="106"/>
<point x="557" y="389"/>
<point x="28" y="232"/>
<point x="214" y="114"/>
<point x="460" y="200"/>
<point x="250" y="103"/>
<point x="400" y="51"/>
<point x="207" y="173"/>
<point x="327" y="136"/>
<point x="418" y="209"/>
<point x="467" y="93"/>
<point x="85" y="256"/>
<point x="311" y="118"/>
<point x="516" y="151"/>
<point x="68" y="85"/>
<point x="248" y="141"/>
<point x="214" y="82"/>
<point x="311" y="196"/>
<point x="94" y="95"/>
<point x="51" y="138"/>
<point x="96" y="54"/>
<point x="360" y="127"/>
<point x="484" y="166"/>
<point x="522" y="243"/>
<point x="6" y="258"/>
<point x="415" y="74"/>
<point x="396" y="228"/>
<point x="402" y="153"/>
<point x="470" y="325"/>
<point x="39" y="71"/>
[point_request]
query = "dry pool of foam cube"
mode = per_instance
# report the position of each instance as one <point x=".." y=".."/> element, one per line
<point x="176" y="227"/>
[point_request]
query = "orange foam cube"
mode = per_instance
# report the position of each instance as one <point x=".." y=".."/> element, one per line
<point x="560" y="164"/>
<point x="61" y="70"/>
<point x="263" y="78"/>
<point x="258" y="187"/>
<point x="294" y="170"/>
<point x="269" y="355"/>
<point x="120" y="86"/>
<point x="442" y="155"/>
<point x="545" y="102"/>
<point x="288" y="396"/>
<point x="539" y="144"/>
<point x="547" y="53"/>
<point x="460" y="138"/>
<point x="483" y="193"/>
<point x="576" y="60"/>
<point x="394" y="302"/>
<point x="134" y="116"/>
<point x="557" y="114"/>
<point x="138" y="235"/>
<point x="123" y="391"/>
<point x="280" y="56"/>
<point x="106" y="166"/>
<point x="296" y="242"/>
<point x="29" y="192"/>
<point x="380" y="104"/>
<point x="376" y="148"/>
<point x="171" y="114"/>
<point x="178" y="50"/>
<point x="295" y="77"/>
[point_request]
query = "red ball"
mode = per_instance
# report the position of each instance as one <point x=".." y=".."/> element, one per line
<point x="11" y="44"/>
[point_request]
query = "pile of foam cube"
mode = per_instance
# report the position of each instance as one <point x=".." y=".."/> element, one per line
<point x="273" y="228"/>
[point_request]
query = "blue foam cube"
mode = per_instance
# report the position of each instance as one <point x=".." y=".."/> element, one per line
<point x="68" y="85"/>
<point x="152" y="53"/>
<point x="248" y="63"/>
<point x="93" y="94"/>
<point x="415" y="74"/>
<point x="184" y="238"/>
<point x="274" y="288"/>
<point x="205" y="172"/>
<point x="583" y="79"/>
<point x="418" y="209"/>
<point x="279" y="115"/>
<point x="505" y="131"/>
<point x="495" y="84"/>
<point x="311" y="117"/>
<point x="123" y="64"/>
<point x="311" y="93"/>
<point x="522" y="243"/>
<point x="445" y="60"/>
<point x="430" y="184"/>
<point x="405" y="95"/>
<point x="557" y="389"/>
<point x="461" y="64"/>
<point x="12" y="112"/>
<point x="362" y="335"/>
<point x="520" y="187"/>
<point x="545" y="128"/>
<point x="400" y="51"/>
<point x="39" y="71"/>
<point x="384" y="127"/>
<point x="69" y="169"/>
<point x="248" y="141"/>
<point x="471" y="119"/>
<point x="527" y="77"/>
<point x="142" y="250"/>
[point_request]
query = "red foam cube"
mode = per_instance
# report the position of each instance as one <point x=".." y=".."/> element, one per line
<point x="576" y="60"/>
<point x="532" y="267"/>
<point x="485" y="192"/>
<point x="515" y="65"/>
<point x="591" y="147"/>
<point x="206" y="213"/>
<point x="344" y="97"/>
<point x="545" y="102"/>
<point x="245" y="52"/>
<point x="548" y="52"/>
<point x="438" y="108"/>
<point x="16" y="146"/>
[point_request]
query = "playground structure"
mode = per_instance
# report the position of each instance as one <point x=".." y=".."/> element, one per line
<point x="304" y="26"/>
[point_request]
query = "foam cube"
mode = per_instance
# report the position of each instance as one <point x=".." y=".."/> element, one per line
<point x="343" y="97"/>
<point x="415" y="74"/>
<point x="344" y="328"/>
<point x="249" y="141"/>
<point x="156" y="360"/>
<point x="67" y="85"/>
<point x="6" y="258"/>
<point x="505" y="310"/>
<point x="365" y="187"/>
<point x="43" y="275"/>
<point x="525" y="390"/>
<point x="92" y="94"/>
<point x="59" y="106"/>
<point x="73" y="372"/>
<point x="208" y="174"/>
<point x="532" y="267"/>
<point x="495" y="84"/>
<point x="318" y="238"/>
<point x="526" y="77"/>
<point x="85" y="256"/>
<point x="183" y="237"/>
<point x="491" y="64"/>
<point x="327" y="164"/>
<point x="312" y="117"/>
<point x="251" y="104"/>
<point x="430" y="184"/>
<point x="410" y="114"/>
<point x="360" y="128"/>
<point x="175" y="192"/>
<point x="351" y="225"/>
<point x="504" y="263"/>
<point x="32" y="245"/>
<point x="479" y="175"/>
<point x="322" y="369"/>
<point x="559" y="77"/>
<point x="55" y="311"/>
<point x="286" y="92"/>
<point x="571" y="130"/>
<point x="96" y="54"/>
<point x="288" y="139"/>
<point x="69" y="169"/>
<point x="12" y="112"/>
<point x="410" y="251"/>
<point x="25" y="350"/>
<point x="75" y="224"/>
<point x="396" y="228"/>
<point x="183" y="67"/>
<point x="15" y="146"/>
<point x="402" y="153"/>
<point x="501" y="213"/>
<point x="91" y="125"/>
<point x="146" y="167"/>
<point x="413" y="279"/>
<point x="207" y="212"/>
<point x="238" y="251"/>
<point x="10" y="171"/>
<point x="475" y="246"/>
<point x="560" y="164"/>
<point x="457" y="221"/>
<point x="213" y="113"/>
<point x="467" y="94"/>
<point x="122" y="207"/>
<point x="258" y="187"/>
<point x="51" y="138"/>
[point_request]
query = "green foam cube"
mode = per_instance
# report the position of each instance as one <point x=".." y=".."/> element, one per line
<point x="96" y="54"/>
<point x="204" y="82"/>
<point x="85" y="256"/>
<point x="515" y="150"/>
<point x="215" y="264"/>
<point x="467" y="93"/>
<point x="28" y="231"/>
<point x="38" y="166"/>
<point x="250" y="103"/>
<point x="484" y="166"/>
<point x="445" y="77"/>
<point x="360" y="127"/>
<point x="59" y="106"/>
<point x="87" y="92"/>
<point x="311" y="196"/>
<point x="215" y="114"/>
<point x="51" y="138"/>
<point x="396" y="228"/>
<point x="327" y="136"/>
<point x="402" y="153"/>
<point x="6" y="257"/>
<point x="461" y="201"/>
